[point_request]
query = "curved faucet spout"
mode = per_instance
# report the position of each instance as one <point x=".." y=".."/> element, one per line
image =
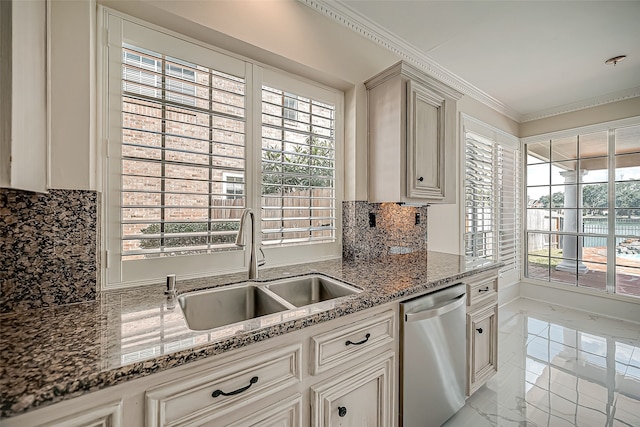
<point x="240" y="241"/>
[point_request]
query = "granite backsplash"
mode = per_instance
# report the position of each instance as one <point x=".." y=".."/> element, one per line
<point x="49" y="243"/>
<point x="395" y="230"/>
<point x="49" y="250"/>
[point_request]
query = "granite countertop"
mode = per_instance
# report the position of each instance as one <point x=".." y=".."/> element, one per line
<point x="49" y="355"/>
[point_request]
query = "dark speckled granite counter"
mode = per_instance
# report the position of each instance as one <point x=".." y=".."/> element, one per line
<point x="49" y="355"/>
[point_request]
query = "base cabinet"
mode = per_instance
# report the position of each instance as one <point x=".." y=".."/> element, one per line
<point x="338" y="373"/>
<point x="361" y="398"/>
<point x="482" y="331"/>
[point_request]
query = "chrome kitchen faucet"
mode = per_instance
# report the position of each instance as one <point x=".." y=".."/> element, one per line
<point x="240" y="241"/>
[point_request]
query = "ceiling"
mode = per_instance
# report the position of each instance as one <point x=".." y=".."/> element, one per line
<point x="535" y="58"/>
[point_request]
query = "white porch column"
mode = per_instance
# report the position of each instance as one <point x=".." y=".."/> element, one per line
<point x="571" y="251"/>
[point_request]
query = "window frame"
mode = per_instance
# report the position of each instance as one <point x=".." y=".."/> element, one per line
<point x="609" y="127"/>
<point x="120" y="29"/>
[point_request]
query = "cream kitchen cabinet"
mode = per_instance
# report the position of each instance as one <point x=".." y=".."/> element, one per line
<point x="482" y="330"/>
<point x="360" y="396"/>
<point x="412" y="137"/>
<point x="348" y="362"/>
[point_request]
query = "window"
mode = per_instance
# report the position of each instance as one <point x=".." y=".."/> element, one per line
<point x="583" y="207"/>
<point x="492" y="196"/>
<point x="184" y="149"/>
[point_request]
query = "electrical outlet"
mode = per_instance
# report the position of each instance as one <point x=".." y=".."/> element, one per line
<point x="417" y="218"/>
<point x="372" y="219"/>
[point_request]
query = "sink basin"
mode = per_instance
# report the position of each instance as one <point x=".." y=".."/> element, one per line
<point x="212" y="308"/>
<point x="305" y="290"/>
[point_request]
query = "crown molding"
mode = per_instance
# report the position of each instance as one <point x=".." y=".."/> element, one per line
<point x="374" y="32"/>
<point x="583" y="104"/>
<point x="362" y="25"/>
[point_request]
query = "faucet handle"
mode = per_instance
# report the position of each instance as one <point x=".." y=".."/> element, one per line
<point x="262" y="261"/>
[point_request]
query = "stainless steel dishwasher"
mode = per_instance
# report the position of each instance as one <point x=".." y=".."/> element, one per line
<point x="432" y="367"/>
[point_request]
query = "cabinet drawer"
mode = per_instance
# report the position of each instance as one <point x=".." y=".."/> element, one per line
<point x="482" y="291"/>
<point x="333" y="348"/>
<point x="216" y="391"/>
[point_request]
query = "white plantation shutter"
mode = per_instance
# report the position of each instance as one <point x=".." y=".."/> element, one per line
<point x="183" y="132"/>
<point x="492" y="196"/>
<point x="508" y="189"/>
<point x="479" y="197"/>
<point x="193" y="137"/>
<point x="298" y="169"/>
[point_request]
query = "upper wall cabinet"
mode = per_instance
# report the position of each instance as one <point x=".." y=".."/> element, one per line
<point x="412" y="137"/>
<point x="23" y="95"/>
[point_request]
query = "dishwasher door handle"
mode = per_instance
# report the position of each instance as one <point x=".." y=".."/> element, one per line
<point x="437" y="310"/>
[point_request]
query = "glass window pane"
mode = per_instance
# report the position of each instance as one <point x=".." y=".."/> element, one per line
<point x="628" y="222"/>
<point x="594" y="196"/>
<point x="538" y="244"/>
<point x="538" y="174"/>
<point x="594" y="170"/>
<point x="628" y="252"/>
<point x="628" y="195"/>
<point x="568" y="248"/>
<point x="538" y="197"/>
<point x="538" y="152"/>
<point x="564" y="148"/>
<point x="593" y="144"/>
<point x="564" y="196"/>
<point x="596" y="223"/>
<point x="628" y="140"/>
<point x="628" y="167"/>
<point x="538" y="267"/>
<point x="563" y="271"/>
<point x="538" y="219"/>
<point x="628" y="280"/>
<point x="564" y="172"/>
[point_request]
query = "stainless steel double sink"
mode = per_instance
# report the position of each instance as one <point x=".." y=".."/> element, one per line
<point x="212" y="308"/>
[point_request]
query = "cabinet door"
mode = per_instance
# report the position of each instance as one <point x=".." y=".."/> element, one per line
<point x="482" y="339"/>
<point x="363" y="398"/>
<point x="425" y="172"/>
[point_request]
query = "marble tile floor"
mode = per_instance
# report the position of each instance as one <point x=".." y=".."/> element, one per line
<point x="559" y="367"/>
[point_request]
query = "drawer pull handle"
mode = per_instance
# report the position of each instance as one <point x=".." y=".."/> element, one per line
<point x="484" y="289"/>
<point x="342" y="411"/>
<point x="366" y="338"/>
<point x="479" y="330"/>
<point x="238" y="391"/>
